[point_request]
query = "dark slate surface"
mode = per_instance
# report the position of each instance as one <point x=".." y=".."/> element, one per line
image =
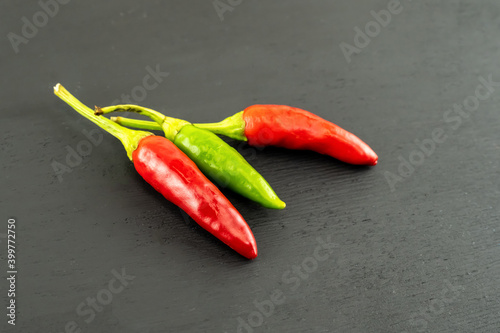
<point x="420" y="256"/>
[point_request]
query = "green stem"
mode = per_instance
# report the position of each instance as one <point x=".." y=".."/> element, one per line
<point x="171" y="126"/>
<point x="129" y="138"/>
<point x="142" y="124"/>
<point x="233" y="127"/>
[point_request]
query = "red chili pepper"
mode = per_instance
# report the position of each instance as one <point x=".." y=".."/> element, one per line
<point x="174" y="175"/>
<point x="294" y="128"/>
<point x="178" y="179"/>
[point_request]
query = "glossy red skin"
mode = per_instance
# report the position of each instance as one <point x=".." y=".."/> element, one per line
<point x="294" y="128"/>
<point x="174" y="175"/>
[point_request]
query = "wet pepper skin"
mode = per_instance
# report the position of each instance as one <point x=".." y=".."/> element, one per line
<point x="179" y="180"/>
<point x="225" y="165"/>
<point x="294" y="128"/>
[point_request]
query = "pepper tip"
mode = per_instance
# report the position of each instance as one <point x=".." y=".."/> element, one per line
<point x="250" y="251"/>
<point x="252" y="254"/>
<point x="281" y="205"/>
<point x="372" y="157"/>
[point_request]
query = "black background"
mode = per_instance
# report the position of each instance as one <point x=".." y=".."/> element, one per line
<point x="422" y="256"/>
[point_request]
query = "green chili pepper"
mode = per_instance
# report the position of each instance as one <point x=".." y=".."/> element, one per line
<point x="214" y="157"/>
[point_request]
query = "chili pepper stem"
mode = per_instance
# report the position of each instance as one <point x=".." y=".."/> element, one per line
<point x="129" y="138"/>
<point x="233" y="127"/>
<point x="142" y="124"/>
<point x="171" y="126"/>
